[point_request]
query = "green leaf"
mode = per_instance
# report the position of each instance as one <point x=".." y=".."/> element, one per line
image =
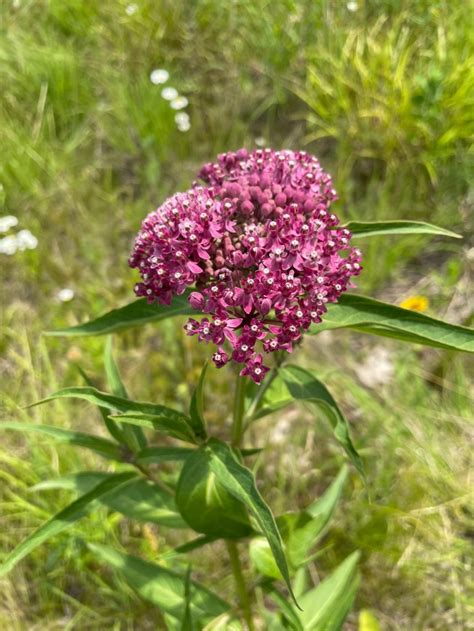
<point x="367" y="315"/>
<point x="64" y="519"/>
<point x="225" y="622"/>
<point x="286" y="609"/>
<point x="133" y="435"/>
<point x="161" y="586"/>
<point x="187" y="623"/>
<point x="301" y="531"/>
<point x="194" y="544"/>
<point x="157" y="455"/>
<point x="239" y="481"/>
<point x="112" y="427"/>
<point x="322" y="509"/>
<point x="102" y="446"/>
<point x="134" y="314"/>
<point x="304" y="386"/>
<point x="325" y="607"/>
<point x="361" y="229"/>
<point x="174" y="426"/>
<point x="204" y="502"/>
<point x="196" y="408"/>
<point x="138" y="413"/>
<point x="138" y="499"/>
<point x="114" y="379"/>
<point x="262" y="558"/>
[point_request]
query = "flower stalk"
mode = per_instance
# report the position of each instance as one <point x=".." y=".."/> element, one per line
<point x="240" y="585"/>
<point x="239" y="411"/>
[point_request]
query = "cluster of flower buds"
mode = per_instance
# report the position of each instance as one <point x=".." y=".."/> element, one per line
<point x="259" y="246"/>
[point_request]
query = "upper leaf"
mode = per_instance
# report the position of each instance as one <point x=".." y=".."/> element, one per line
<point x="65" y="518"/>
<point x="133" y="435"/>
<point x="373" y="228"/>
<point x="157" y="455"/>
<point x="102" y="446"/>
<point x="136" y="409"/>
<point x="304" y="386"/>
<point x="378" y="318"/>
<point x="174" y="426"/>
<point x="134" y="314"/>
<point x="161" y="586"/>
<point x="239" y="481"/>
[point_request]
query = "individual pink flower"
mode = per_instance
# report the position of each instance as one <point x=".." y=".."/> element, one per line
<point x="260" y="247"/>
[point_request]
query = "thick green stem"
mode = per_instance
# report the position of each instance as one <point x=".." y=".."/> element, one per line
<point x="242" y="592"/>
<point x="239" y="409"/>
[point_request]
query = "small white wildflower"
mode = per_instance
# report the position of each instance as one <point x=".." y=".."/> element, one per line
<point x="182" y="121"/>
<point x="352" y="6"/>
<point x="260" y="141"/>
<point x="65" y="295"/>
<point x="169" y="93"/>
<point x="8" y="245"/>
<point x="7" y="222"/>
<point x="131" y="9"/>
<point x="26" y="240"/>
<point x="179" y="103"/>
<point x="159" y="76"/>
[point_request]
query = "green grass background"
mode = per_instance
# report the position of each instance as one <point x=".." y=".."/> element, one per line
<point x="384" y="96"/>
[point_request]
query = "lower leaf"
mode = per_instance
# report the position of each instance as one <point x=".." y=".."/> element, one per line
<point x="162" y="587"/>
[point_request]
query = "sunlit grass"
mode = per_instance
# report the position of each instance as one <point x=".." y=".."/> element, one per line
<point x="384" y="96"/>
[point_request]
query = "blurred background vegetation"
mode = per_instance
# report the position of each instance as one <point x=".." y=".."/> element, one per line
<point x="382" y="91"/>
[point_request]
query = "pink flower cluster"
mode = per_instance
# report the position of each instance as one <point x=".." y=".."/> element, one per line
<point x="261" y="248"/>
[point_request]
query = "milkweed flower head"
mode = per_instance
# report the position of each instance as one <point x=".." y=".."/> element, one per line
<point x="260" y="248"/>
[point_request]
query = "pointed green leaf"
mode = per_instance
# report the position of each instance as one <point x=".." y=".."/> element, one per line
<point x="196" y="408"/>
<point x="138" y="413"/>
<point x="325" y="607"/>
<point x="374" y="228"/>
<point x="133" y="435"/>
<point x="174" y="426"/>
<point x="304" y="386"/>
<point x="239" y="481"/>
<point x="299" y="530"/>
<point x="378" y="318"/>
<point x="322" y="509"/>
<point x="138" y="499"/>
<point x="157" y="455"/>
<point x="114" y="380"/>
<point x="112" y="427"/>
<point x="302" y="530"/>
<point x="194" y="544"/>
<point x="286" y="608"/>
<point x="187" y="622"/>
<point x="102" y="446"/>
<point x="161" y="586"/>
<point x="65" y="518"/>
<point x="134" y="314"/>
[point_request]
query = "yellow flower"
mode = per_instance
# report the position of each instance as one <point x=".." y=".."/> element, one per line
<point x="415" y="303"/>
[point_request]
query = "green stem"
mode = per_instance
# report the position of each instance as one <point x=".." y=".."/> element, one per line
<point x="280" y="358"/>
<point x="242" y="592"/>
<point x="239" y="409"/>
